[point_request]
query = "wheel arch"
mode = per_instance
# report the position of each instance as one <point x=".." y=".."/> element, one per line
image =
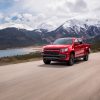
<point x="72" y="52"/>
<point x="87" y="51"/>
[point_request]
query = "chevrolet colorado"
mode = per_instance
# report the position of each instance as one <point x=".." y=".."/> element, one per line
<point x="66" y="49"/>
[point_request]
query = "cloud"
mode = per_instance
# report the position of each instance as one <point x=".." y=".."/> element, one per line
<point x="35" y="12"/>
<point x="27" y="16"/>
<point x="16" y="0"/>
<point x="78" y="6"/>
<point x="1" y="16"/>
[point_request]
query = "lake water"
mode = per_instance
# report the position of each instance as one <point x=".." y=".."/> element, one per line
<point x="14" y="52"/>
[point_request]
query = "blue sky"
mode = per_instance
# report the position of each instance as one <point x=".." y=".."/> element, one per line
<point x="5" y="5"/>
<point x="47" y="11"/>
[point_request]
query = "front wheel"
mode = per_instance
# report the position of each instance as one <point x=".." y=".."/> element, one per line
<point x="46" y="61"/>
<point x="71" y="60"/>
<point x="86" y="57"/>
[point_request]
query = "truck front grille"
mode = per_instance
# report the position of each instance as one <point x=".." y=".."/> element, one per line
<point x="51" y="53"/>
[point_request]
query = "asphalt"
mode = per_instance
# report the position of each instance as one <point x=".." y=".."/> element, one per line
<point x="36" y="81"/>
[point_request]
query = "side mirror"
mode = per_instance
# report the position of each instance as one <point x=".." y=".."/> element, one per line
<point x="76" y="43"/>
<point x="81" y="42"/>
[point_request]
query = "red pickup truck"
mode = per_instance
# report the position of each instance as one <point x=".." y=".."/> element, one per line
<point x="66" y="49"/>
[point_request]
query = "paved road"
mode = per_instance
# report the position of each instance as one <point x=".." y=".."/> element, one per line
<point x="36" y="81"/>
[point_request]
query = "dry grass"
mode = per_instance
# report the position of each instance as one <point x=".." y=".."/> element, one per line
<point x="20" y="59"/>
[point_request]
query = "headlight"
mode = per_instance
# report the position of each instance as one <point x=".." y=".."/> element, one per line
<point x="64" y="50"/>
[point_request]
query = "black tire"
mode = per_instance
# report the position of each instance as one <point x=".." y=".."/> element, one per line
<point x="86" y="57"/>
<point x="71" y="60"/>
<point x="46" y="61"/>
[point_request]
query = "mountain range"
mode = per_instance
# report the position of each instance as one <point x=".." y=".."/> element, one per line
<point x="13" y="35"/>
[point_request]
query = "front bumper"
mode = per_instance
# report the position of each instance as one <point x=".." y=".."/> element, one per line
<point x="54" y="57"/>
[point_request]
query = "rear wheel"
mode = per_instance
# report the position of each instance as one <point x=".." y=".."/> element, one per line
<point x="71" y="60"/>
<point x="86" y="57"/>
<point x="46" y="61"/>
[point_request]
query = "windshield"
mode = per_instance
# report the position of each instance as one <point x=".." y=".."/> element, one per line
<point x="63" y="41"/>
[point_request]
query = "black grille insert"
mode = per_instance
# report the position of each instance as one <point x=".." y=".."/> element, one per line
<point x="51" y="53"/>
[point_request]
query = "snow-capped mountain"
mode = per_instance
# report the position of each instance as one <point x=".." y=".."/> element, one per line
<point x="81" y="23"/>
<point x="44" y="26"/>
<point x="87" y="28"/>
<point x="74" y="24"/>
<point x="15" y="25"/>
<point x="47" y="26"/>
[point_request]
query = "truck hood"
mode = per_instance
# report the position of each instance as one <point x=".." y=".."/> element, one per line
<point x="56" y="46"/>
